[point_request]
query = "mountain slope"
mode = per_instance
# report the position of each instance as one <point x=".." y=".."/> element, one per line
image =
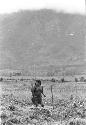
<point x="42" y="37"/>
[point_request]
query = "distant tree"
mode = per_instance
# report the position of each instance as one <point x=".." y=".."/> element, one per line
<point x="76" y="80"/>
<point x="53" y="80"/>
<point x="62" y="80"/>
<point x="1" y="79"/>
<point x="82" y="79"/>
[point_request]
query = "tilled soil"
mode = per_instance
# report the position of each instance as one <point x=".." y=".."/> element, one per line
<point x="15" y="111"/>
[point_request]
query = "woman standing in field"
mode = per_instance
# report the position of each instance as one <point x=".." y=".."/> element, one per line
<point x="37" y="92"/>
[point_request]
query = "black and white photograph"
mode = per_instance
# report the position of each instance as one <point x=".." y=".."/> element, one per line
<point x="42" y="62"/>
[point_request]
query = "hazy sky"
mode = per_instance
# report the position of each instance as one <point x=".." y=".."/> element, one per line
<point x="73" y="6"/>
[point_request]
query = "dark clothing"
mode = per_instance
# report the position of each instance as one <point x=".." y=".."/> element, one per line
<point x="37" y="100"/>
<point x="37" y="95"/>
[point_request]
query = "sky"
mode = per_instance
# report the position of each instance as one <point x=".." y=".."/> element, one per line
<point x="70" y="6"/>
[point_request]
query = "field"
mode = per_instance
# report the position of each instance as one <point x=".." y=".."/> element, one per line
<point x="68" y="106"/>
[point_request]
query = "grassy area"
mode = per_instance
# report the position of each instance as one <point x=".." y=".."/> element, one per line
<point x="69" y="103"/>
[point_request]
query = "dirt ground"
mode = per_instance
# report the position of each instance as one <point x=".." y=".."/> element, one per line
<point x="68" y="107"/>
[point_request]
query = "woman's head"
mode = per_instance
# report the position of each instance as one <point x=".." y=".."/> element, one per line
<point x="38" y="82"/>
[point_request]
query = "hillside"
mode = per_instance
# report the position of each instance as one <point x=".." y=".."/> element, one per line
<point x="43" y="37"/>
